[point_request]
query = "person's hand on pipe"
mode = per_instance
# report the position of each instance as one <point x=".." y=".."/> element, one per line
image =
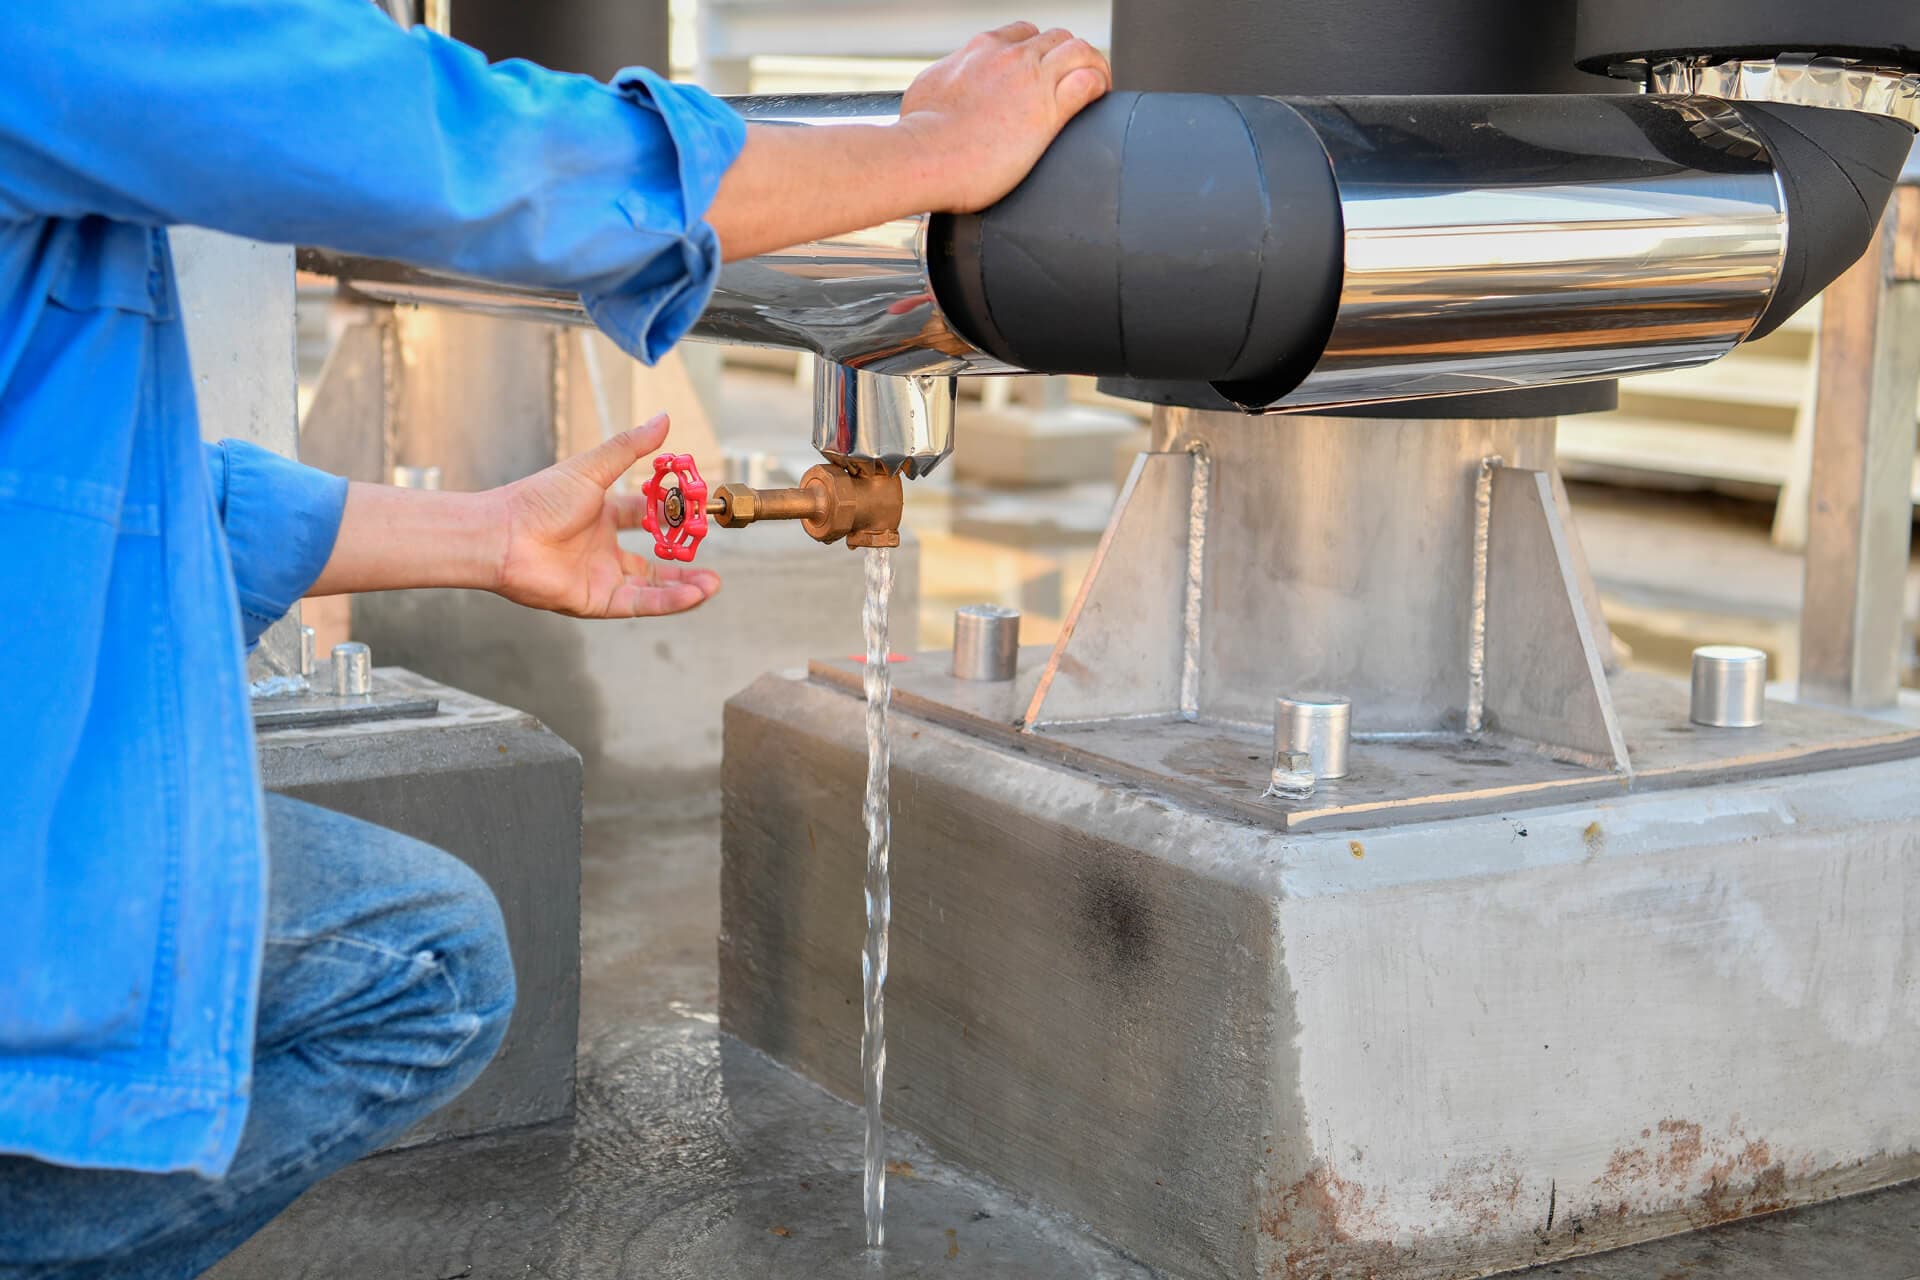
<point x="550" y="541"/>
<point x="970" y="128"/>
<point x="990" y="111"/>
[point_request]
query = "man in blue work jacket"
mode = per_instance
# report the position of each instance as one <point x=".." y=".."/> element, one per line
<point x="210" y="1000"/>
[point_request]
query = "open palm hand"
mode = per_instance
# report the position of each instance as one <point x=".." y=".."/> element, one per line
<point x="563" y="548"/>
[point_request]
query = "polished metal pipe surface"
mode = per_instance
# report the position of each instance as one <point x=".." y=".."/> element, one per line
<point x="1729" y="686"/>
<point x="986" y="642"/>
<point x="1318" y="725"/>
<point x="860" y="299"/>
<point x="899" y="425"/>
<point x="1496" y="243"/>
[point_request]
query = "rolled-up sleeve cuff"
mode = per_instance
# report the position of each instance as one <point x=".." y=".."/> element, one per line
<point x="281" y="521"/>
<point x="651" y="311"/>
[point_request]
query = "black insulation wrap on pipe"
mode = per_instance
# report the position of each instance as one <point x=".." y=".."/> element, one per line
<point x="1837" y="171"/>
<point x="1177" y="236"/>
<point x="1609" y="31"/>
<point x="1307" y="47"/>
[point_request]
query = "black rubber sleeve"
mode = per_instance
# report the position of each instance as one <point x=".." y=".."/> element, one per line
<point x="1164" y="236"/>
<point x="1837" y="170"/>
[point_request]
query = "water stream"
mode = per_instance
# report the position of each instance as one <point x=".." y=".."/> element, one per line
<point x="878" y="679"/>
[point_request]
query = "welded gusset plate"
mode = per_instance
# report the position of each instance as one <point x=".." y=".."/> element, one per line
<point x="1224" y="768"/>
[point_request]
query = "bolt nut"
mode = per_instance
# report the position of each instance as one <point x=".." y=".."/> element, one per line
<point x="739" y="505"/>
<point x="1318" y="724"/>
<point x="352" y="670"/>
<point x="1729" y="686"/>
<point x="986" y="642"/>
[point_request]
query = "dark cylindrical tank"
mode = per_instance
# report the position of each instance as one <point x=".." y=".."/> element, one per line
<point x="1880" y="31"/>
<point x="1358" y="47"/>
<point x="1347" y="46"/>
<point x="597" y="37"/>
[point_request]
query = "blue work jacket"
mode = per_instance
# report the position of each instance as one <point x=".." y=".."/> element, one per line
<point x="135" y="567"/>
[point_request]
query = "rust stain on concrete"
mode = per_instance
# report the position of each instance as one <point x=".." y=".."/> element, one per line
<point x="1320" y="1226"/>
<point x="1485" y="1194"/>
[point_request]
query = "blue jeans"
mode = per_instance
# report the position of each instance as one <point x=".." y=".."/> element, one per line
<point x="386" y="987"/>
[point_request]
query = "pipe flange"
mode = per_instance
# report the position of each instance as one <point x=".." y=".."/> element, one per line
<point x="1796" y="79"/>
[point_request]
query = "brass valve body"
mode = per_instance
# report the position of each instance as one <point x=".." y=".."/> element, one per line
<point x="830" y="504"/>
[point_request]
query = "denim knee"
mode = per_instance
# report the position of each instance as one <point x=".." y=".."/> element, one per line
<point x="386" y="957"/>
<point x="468" y="945"/>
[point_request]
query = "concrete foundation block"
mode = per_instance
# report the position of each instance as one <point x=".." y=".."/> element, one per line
<point x="494" y="788"/>
<point x="1440" y="1049"/>
<point x="640" y="699"/>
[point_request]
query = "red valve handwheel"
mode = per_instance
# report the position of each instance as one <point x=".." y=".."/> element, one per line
<point x="676" y="515"/>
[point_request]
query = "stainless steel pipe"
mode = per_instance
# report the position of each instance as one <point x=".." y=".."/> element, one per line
<point x="900" y="425"/>
<point x="860" y="299"/>
<point x="1449" y="245"/>
<point x="1656" y="245"/>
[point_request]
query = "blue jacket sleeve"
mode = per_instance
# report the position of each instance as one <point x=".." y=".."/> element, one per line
<point x="320" y="122"/>
<point x="281" y="520"/>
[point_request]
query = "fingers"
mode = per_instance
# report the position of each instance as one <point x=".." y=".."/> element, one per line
<point x="605" y="463"/>
<point x="656" y="573"/>
<point x="706" y="580"/>
<point x="629" y="509"/>
<point x="1080" y="89"/>
<point x="1013" y="32"/>
<point x="1047" y="41"/>
<point x="638" y="598"/>
<point x="1082" y="71"/>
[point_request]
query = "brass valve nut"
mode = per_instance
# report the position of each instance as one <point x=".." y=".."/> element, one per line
<point x="739" y="505"/>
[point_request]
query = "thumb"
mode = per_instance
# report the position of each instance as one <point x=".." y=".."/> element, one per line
<point x="607" y="462"/>
<point x="1079" y="88"/>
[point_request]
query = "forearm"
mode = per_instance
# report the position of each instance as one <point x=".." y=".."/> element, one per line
<point x="392" y="539"/>
<point x="795" y="183"/>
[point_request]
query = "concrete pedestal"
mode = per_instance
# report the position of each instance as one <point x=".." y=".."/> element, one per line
<point x="494" y="788"/>
<point x="1395" y="1043"/>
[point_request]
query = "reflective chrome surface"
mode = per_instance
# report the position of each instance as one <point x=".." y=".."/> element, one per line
<point x="986" y="642"/>
<point x="1799" y="79"/>
<point x="860" y="299"/>
<point x="352" y="670"/>
<point x="1495" y="243"/>
<point x="1729" y="686"/>
<point x="1316" y="725"/>
<point x="901" y="425"/>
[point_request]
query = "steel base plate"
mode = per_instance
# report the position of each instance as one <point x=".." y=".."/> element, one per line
<point x="1223" y="768"/>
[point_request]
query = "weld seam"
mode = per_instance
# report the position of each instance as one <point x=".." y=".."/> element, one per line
<point x="1197" y="500"/>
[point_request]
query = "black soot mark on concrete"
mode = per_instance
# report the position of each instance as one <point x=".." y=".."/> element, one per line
<point x="1114" y="921"/>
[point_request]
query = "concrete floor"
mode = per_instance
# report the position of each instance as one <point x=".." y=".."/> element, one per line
<point x="690" y="1157"/>
<point x="694" y="1158"/>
